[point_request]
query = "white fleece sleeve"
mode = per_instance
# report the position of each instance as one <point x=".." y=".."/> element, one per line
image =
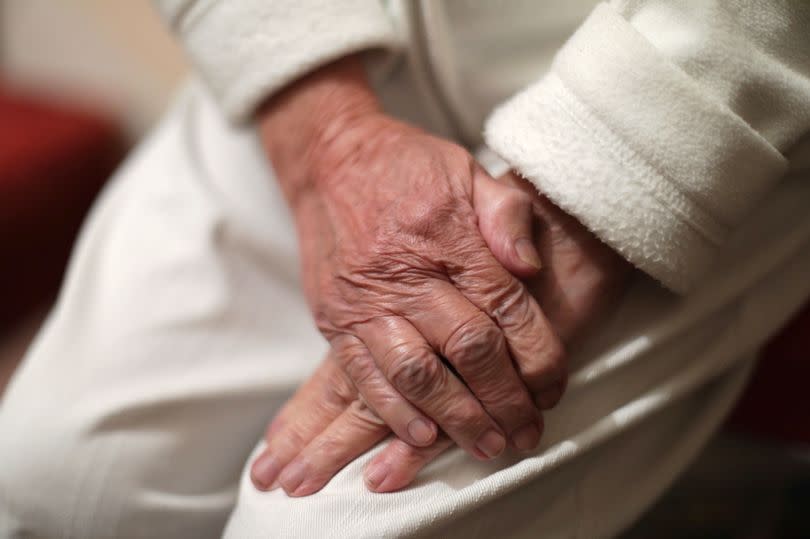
<point x="661" y="123"/>
<point x="247" y="49"/>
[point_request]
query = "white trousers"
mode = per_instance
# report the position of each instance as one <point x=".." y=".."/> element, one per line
<point x="180" y="330"/>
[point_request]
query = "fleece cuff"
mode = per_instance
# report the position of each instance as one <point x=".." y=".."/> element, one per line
<point x="620" y="137"/>
<point x="247" y="49"/>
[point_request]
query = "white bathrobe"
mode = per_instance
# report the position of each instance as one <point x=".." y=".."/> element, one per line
<point x="672" y="129"/>
<point x="659" y="124"/>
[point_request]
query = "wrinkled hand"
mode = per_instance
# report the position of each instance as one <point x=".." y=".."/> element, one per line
<point x="401" y="279"/>
<point x="325" y="425"/>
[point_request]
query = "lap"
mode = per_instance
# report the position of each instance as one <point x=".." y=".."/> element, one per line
<point x="567" y="489"/>
<point x="181" y="328"/>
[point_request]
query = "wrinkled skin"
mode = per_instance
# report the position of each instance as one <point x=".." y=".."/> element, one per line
<point x="326" y="424"/>
<point x="409" y="252"/>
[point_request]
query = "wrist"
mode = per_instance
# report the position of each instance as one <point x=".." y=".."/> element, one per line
<point x="305" y="123"/>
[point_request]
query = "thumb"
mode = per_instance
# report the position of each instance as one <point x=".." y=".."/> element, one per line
<point x="505" y="219"/>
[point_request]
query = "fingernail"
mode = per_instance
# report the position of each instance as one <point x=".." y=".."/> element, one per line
<point x="420" y="431"/>
<point x="264" y="470"/>
<point x="376" y="474"/>
<point x="491" y="443"/>
<point x="526" y="437"/>
<point x="527" y="253"/>
<point x="292" y="476"/>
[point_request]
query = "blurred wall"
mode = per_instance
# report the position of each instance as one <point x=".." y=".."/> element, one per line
<point x="110" y="54"/>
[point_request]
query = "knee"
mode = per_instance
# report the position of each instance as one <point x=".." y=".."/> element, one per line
<point x="66" y="473"/>
<point x="45" y="491"/>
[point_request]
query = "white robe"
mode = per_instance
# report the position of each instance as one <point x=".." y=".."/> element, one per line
<point x="659" y="124"/>
<point x="180" y="328"/>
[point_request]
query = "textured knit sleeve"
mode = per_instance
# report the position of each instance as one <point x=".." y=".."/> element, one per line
<point x="247" y="49"/>
<point x="662" y="123"/>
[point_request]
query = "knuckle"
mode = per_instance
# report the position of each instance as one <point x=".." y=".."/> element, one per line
<point x="465" y="416"/>
<point x="509" y="303"/>
<point x="358" y="366"/>
<point x="365" y="415"/>
<point x="290" y="442"/>
<point x="509" y="403"/>
<point x="324" y="445"/>
<point x="427" y="218"/>
<point x="474" y="347"/>
<point x="416" y="372"/>
<point x="381" y="397"/>
<point x="342" y="391"/>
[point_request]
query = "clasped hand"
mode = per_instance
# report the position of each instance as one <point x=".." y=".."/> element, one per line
<point x="412" y="258"/>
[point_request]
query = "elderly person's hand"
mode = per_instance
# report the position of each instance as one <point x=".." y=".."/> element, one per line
<point x="325" y="425"/>
<point x="399" y="275"/>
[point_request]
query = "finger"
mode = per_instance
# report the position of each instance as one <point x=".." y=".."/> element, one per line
<point x="505" y="220"/>
<point x="351" y="434"/>
<point x="397" y="465"/>
<point x="514" y="180"/>
<point x="413" y="368"/>
<point x="532" y="343"/>
<point x="476" y="348"/>
<point x="404" y="419"/>
<point x="313" y="407"/>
